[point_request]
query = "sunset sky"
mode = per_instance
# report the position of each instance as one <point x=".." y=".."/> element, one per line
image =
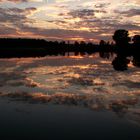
<point x="88" y="20"/>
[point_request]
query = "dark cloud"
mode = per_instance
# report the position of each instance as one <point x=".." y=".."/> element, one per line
<point x="52" y="34"/>
<point x="107" y="24"/>
<point x="6" y="30"/>
<point x="14" y="0"/>
<point x="15" y="15"/>
<point x="102" y="5"/>
<point x="84" y="13"/>
<point x="102" y="25"/>
<point x="66" y="34"/>
<point x="12" y="19"/>
<point x="129" y="13"/>
<point x="22" y="11"/>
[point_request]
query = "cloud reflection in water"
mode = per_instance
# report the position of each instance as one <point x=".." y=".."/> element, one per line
<point x="86" y="82"/>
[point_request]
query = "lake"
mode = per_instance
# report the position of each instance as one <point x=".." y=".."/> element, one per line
<point x="71" y="97"/>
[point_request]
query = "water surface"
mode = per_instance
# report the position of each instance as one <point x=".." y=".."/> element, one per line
<point x="68" y="98"/>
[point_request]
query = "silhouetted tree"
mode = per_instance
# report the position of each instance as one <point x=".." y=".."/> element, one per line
<point x="90" y="48"/>
<point x="121" y="38"/>
<point x="136" y="50"/>
<point x="104" y="49"/>
<point x="76" y="48"/>
<point x="82" y="48"/>
<point x="102" y="45"/>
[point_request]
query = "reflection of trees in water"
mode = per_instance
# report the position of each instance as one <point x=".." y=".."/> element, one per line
<point x="124" y="49"/>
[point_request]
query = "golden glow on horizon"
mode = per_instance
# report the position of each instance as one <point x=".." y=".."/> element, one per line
<point x="84" y="29"/>
<point x="106" y="34"/>
<point x="77" y="57"/>
<point x="77" y="39"/>
<point x="133" y="32"/>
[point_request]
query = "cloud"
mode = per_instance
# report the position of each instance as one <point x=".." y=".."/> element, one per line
<point x="97" y="28"/>
<point x="11" y="16"/>
<point x="102" y="5"/>
<point x="4" y="31"/>
<point x="129" y="13"/>
<point x="14" y="0"/>
<point x="61" y="19"/>
<point x="11" y="21"/>
<point x="19" y="1"/>
<point x="84" y="13"/>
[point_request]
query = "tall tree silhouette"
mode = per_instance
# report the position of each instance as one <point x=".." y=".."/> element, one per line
<point x="121" y="38"/>
<point x="136" y="50"/>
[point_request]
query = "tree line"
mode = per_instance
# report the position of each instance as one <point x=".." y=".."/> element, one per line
<point x="17" y="47"/>
<point x="123" y="46"/>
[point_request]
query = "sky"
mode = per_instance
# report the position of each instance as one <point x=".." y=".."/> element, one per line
<point x="73" y="20"/>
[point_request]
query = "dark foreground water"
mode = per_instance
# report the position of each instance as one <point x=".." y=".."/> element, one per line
<point x="23" y="120"/>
